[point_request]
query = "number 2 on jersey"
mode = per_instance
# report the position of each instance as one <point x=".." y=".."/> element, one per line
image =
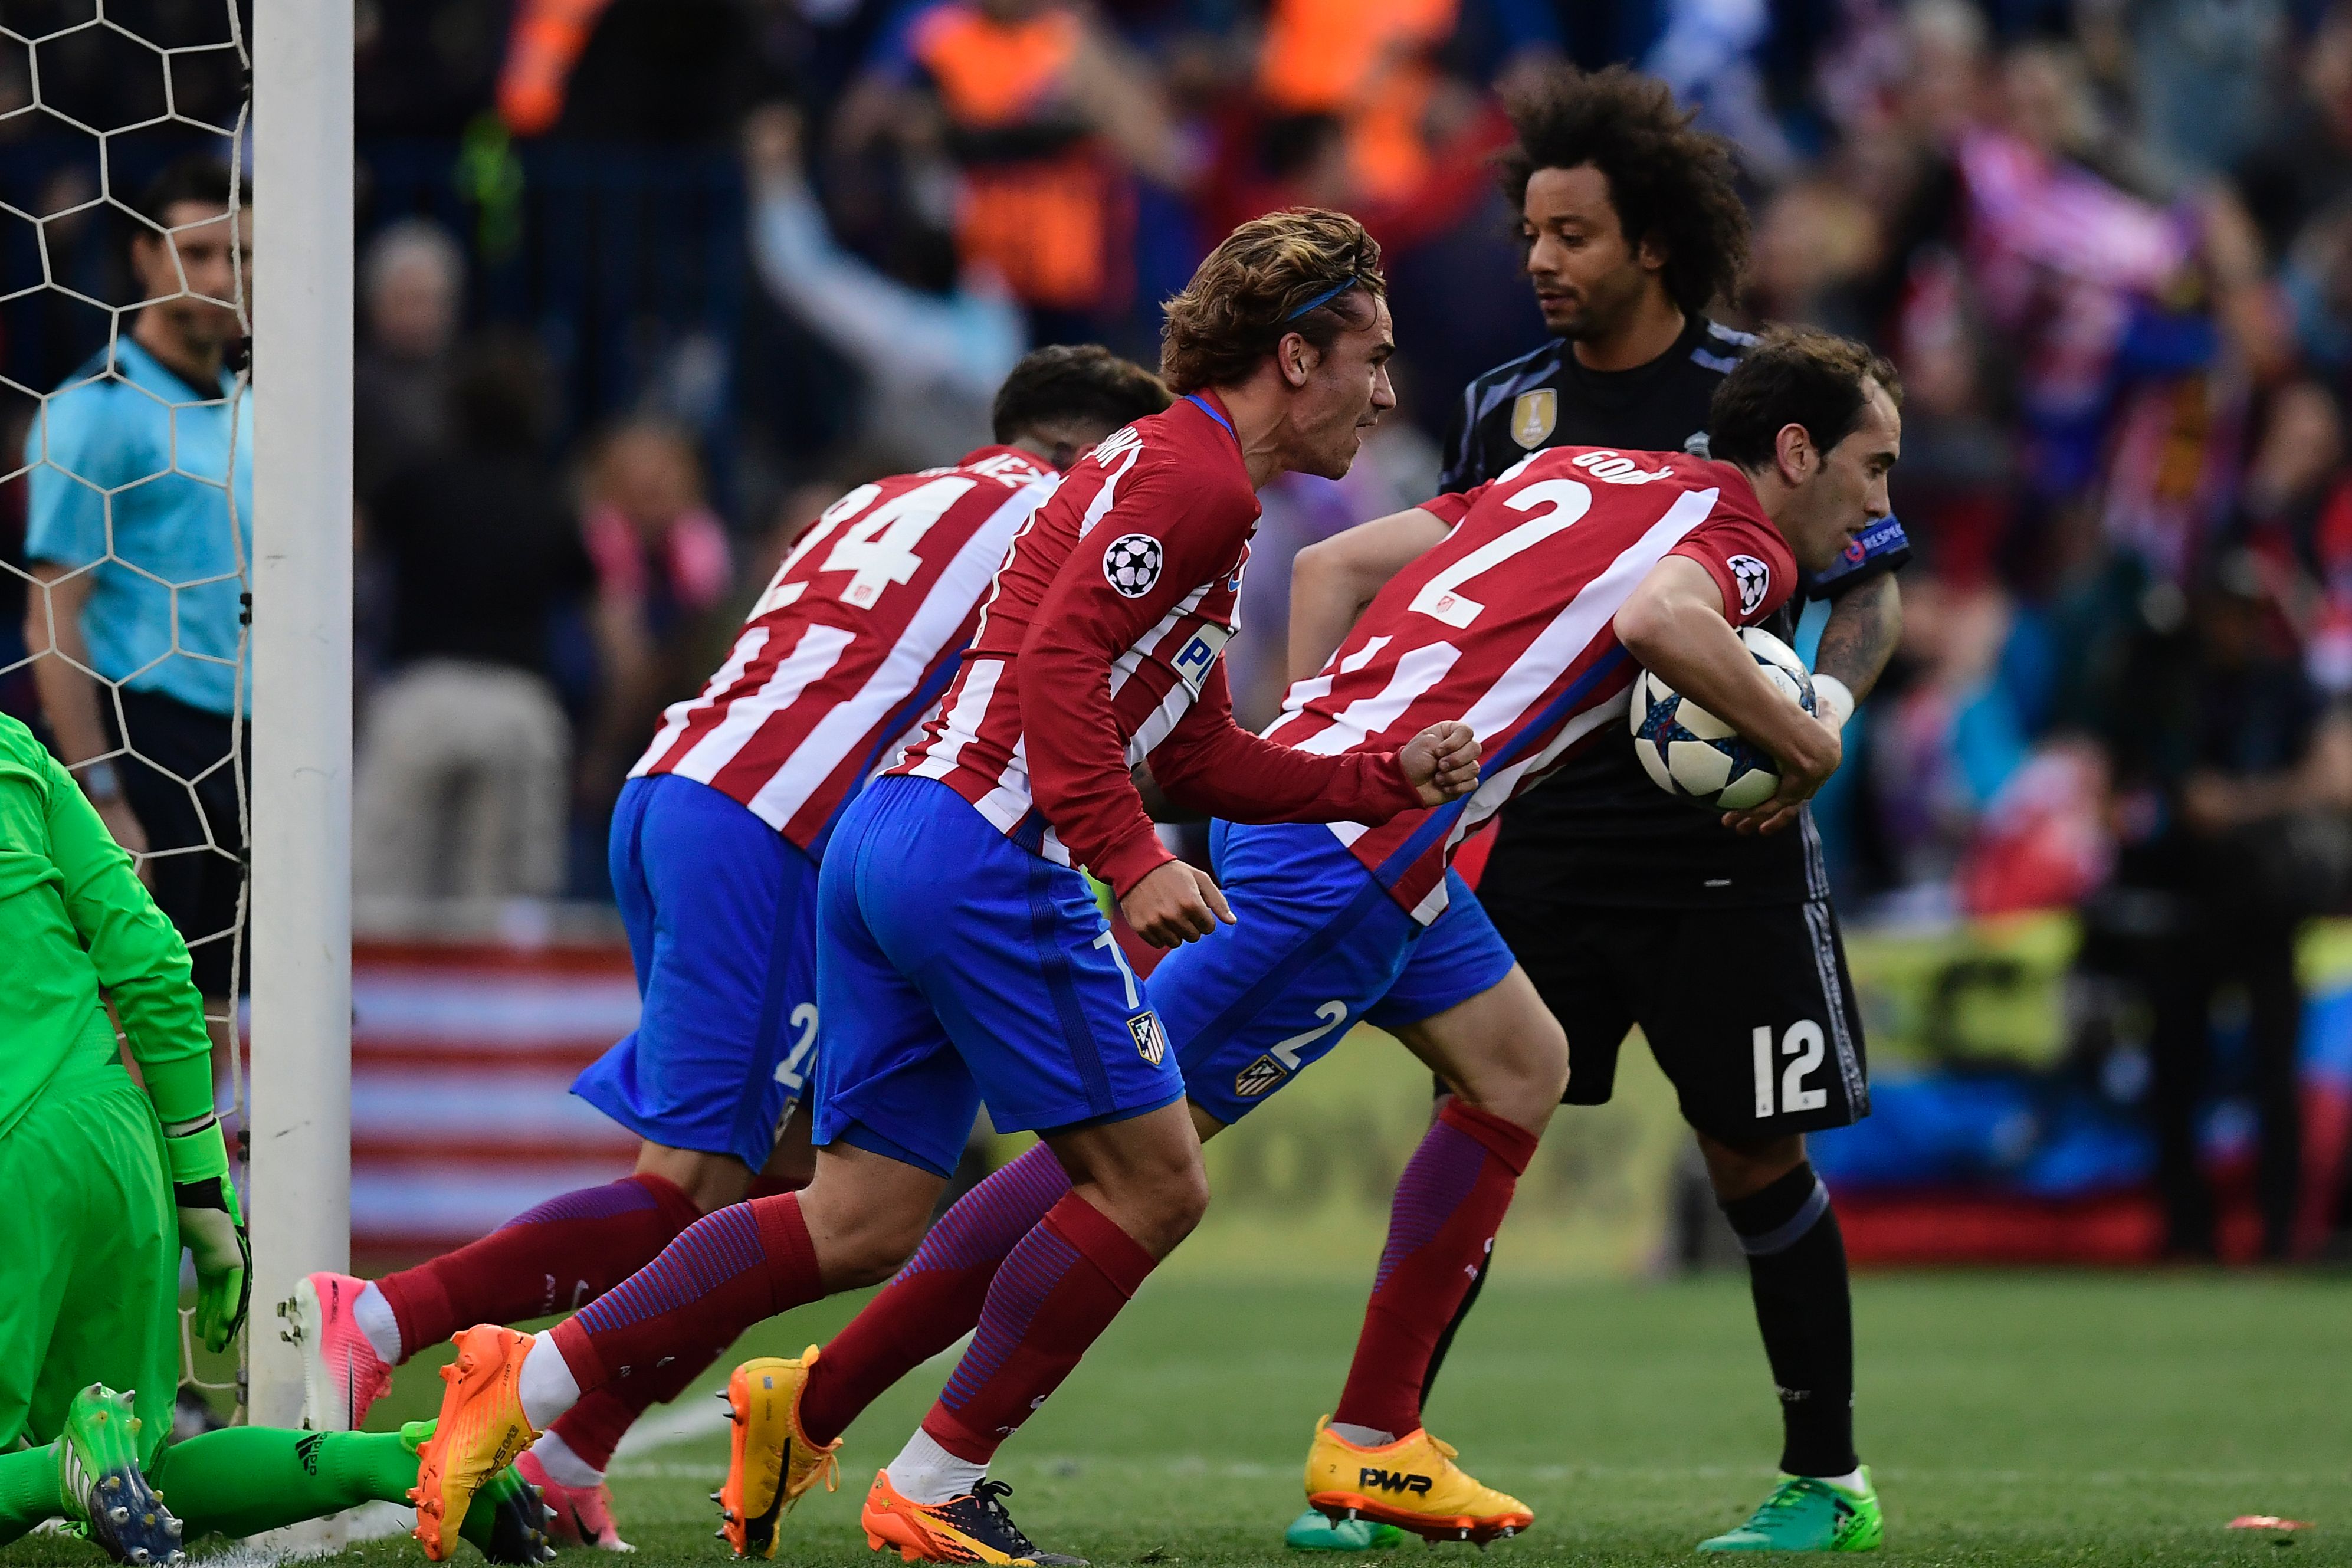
<point x="1442" y="596"/>
<point x="792" y="1071"/>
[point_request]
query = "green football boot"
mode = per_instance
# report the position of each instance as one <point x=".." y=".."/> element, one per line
<point x="507" y="1520"/>
<point x="1805" y="1514"/>
<point x="107" y="1494"/>
<point x="1310" y="1531"/>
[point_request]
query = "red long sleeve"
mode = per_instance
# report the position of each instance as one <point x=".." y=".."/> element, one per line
<point x="1077" y="756"/>
<point x="1087" y="633"/>
<point x="1209" y="763"/>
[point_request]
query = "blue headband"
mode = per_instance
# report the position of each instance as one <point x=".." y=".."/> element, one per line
<point x="1325" y="298"/>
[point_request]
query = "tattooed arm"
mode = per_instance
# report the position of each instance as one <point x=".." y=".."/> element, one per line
<point x="1865" y="623"/>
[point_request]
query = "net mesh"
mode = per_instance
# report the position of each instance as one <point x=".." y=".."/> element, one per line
<point x="130" y="474"/>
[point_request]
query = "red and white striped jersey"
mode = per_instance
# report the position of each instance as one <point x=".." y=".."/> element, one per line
<point x="1508" y="625"/>
<point x="852" y="641"/>
<point x="1100" y="647"/>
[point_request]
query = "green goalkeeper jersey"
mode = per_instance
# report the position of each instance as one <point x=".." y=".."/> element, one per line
<point x="75" y="922"/>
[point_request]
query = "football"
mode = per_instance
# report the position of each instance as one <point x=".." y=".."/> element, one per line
<point x="1692" y="754"/>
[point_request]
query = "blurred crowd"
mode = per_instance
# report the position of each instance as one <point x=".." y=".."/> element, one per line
<point x="2108" y="244"/>
<point x="646" y="283"/>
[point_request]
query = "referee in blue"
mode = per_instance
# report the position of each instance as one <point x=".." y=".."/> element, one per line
<point x="140" y="515"/>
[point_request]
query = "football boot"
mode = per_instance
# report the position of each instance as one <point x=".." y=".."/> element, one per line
<point x="480" y="1431"/>
<point x="1805" y="1514"/>
<point x="974" y="1528"/>
<point x="576" y="1516"/>
<point x="107" y="1496"/>
<point x="342" y="1373"/>
<point x="771" y="1461"/>
<point x="1310" y="1531"/>
<point x="1411" y="1483"/>
<point x="510" y="1520"/>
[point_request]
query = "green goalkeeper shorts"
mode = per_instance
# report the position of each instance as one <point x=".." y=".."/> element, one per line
<point x="89" y="1277"/>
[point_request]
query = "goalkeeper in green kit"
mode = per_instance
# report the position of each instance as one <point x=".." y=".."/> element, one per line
<point x="104" y="1184"/>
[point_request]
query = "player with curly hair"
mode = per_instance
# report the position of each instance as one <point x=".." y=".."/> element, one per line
<point x="1608" y="891"/>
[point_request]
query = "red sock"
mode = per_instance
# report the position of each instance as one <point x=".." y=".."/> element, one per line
<point x="1054" y="1296"/>
<point x="725" y="1272"/>
<point x="1449" y="1203"/>
<point x="568" y="1250"/>
<point x="936" y="1299"/>
<point x="594" y="1427"/>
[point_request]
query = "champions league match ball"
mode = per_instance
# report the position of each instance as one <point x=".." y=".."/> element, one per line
<point x="1690" y="753"/>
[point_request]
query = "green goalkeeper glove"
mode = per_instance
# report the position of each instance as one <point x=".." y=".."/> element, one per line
<point x="212" y="1228"/>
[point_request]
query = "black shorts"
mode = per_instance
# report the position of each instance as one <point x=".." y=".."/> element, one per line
<point x="181" y="784"/>
<point x="1749" y="1011"/>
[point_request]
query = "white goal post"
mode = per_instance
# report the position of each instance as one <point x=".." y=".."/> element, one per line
<point x="301" y="888"/>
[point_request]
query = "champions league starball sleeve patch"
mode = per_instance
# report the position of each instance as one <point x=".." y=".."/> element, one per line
<point x="1755" y="580"/>
<point x="1132" y="564"/>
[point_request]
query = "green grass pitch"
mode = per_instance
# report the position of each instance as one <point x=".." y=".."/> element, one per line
<point x="2010" y="1418"/>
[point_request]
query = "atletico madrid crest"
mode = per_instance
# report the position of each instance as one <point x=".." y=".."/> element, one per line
<point x="1257" y="1077"/>
<point x="1149" y="1043"/>
<point x="1533" y="416"/>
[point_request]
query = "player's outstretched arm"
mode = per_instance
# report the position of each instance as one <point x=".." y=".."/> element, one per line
<point x="1675" y="626"/>
<point x="1209" y="763"/>
<point x="1332" y="580"/>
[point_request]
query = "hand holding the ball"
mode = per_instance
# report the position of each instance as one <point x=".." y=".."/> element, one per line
<point x="1442" y="762"/>
<point x="1808" y="755"/>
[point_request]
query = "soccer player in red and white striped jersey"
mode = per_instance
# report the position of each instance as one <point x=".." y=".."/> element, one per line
<point x="1520" y="607"/>
<point x="715" y="848"/>
<point x="852" y="641"/>
<point x="1506" y="623"/>
<point x="963" y="958"/>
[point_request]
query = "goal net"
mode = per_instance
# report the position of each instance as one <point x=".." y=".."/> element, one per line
<point x="131" y="446"/>
<point x="183" y="595"/>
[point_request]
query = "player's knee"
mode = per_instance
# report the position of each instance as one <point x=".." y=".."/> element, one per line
<point x="874" y="1250"/>
<point x="1548" y="1067"/>
<point x="1159" y="1207"/>
<point x="1189" y="1199"/>
<point x="709" y="1181"/>
<point x="1522" y="1084"/>
<point x="1741" y="1170"/>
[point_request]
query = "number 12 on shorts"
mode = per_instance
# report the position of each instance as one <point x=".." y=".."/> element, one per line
<point x="1803" y="1045"/>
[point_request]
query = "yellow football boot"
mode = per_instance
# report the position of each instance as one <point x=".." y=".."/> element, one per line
<point x="481" y="1431"/>
<point x="771" y="1461"/>
<point x="973" y="1528"/>
<point x="1411" y="1483"/>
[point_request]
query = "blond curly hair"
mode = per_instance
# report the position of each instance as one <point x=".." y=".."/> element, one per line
<point x="1305" y="270"/>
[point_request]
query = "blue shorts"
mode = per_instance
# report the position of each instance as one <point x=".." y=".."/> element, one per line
<point x="1320" y="946"/>
<point x="957" y="967"/>
<point x="721" y="914"/>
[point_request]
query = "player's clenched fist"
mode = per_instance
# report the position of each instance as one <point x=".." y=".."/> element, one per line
<point x="1175" y="904"/>
<point x="1442" y="762"/>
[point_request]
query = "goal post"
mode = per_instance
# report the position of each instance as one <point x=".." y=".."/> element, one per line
<point x="300" y="889"/>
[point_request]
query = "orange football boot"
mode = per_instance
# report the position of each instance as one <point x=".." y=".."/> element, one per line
<point x="481" y="1431"/>
<point x="973" y="1528"/>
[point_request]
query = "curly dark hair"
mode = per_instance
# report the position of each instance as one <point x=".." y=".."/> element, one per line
<point x="1670" y="184"/>
<point x="1075" y="381"/>
<point x="1305" y="270"/>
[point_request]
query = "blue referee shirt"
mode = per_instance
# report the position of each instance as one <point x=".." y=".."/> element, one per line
<point x="133" y="445"/>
